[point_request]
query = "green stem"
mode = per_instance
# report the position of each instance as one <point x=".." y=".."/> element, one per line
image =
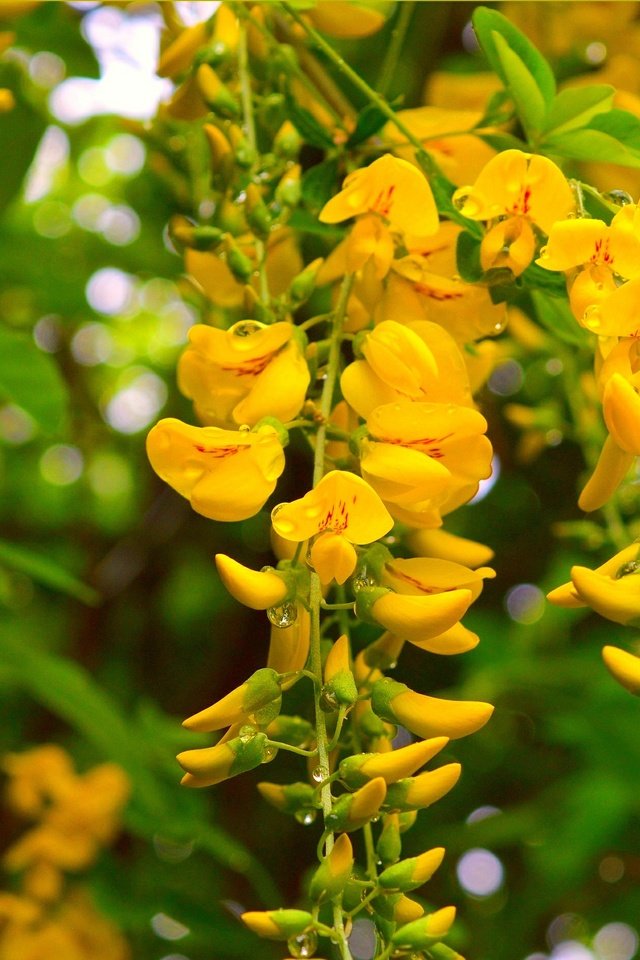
<point x="278" y="745"/>
<point x="395" y="46"/>
<point x="246" y="97"/>
<point x="363" y="903"/>
<point x="342" y="712"/>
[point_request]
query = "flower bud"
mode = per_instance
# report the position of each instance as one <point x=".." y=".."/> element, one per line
<point x="237" y="261"/>
<point x="186" y="234"/>
<point x="425" y="931"/>
<point x="304" y="284"/>
<point x="617" y="599"/>
<point x="623" y="667"/>
<point x="395" y="765"/>
<point x="398" y="908"/>
<point x="277" y="924"/>
<point x="382" y="654"/>
<point x="257" y="212"/>
<point x="415" y="793"/>
<point x="221" y="153"/>
<point x="243" y="152"/>
<point x="412" y="618"/>
<point x="389" y="845"/>
<point x="287" y="141"/>
<point x="256" y="589"/>
<point x="260" y="689"/>
<point x="339" y="686"/>
<point x="412" y="873"/>
<point x="293" y="730"/>
<point x="353" y="810"/>
<point x="289" y="189"/>
<point x="211" y="765"/>
<point x="332" y="874"/>
<point x="215" y="93"/>
<point x="621" y="411"/>
<point x="427" y="716"/>
<point x="288" y="798"/>
<point x="179" y="55"/>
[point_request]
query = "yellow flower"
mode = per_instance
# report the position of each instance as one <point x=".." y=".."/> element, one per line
<point x="36" y="778"/>
<point x="349" y="20"/>
<point x="397" y="764"/>
<point x="416" y="793"/>
<point x="256" y="589"/>
<point x="340" y="511"/>
<point x="418" y="618"/>
<point x="526" y="188"/>
<point x="449" y="546"/>
<point x="226" y="475"/>
<point x="425" y="459"/>
<point x="413" y="361"/>
<point x="612" y="589"/>
<point x="260" y="690"/>
<point x="391" y="188"/>
<point x="334" y="872"/>
<point x="210" y="765"/>
<point x="240" y="375"/>
<point x="623" y="667"/>
<point x="427" y="716"/>
<point x="369" y="241"/>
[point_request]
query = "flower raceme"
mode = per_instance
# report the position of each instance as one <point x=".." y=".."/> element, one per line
<point x="612" y="589"/>
<point x="240" y="375"/>
<point x="340" y="511"/>
<point x="225" y="474"/>
<point x="520" y="191"/>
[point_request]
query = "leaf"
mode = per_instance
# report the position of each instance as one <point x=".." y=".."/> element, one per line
<point x="319" y="184"/>
<point x="369" y="121"/>
<point x="32" y="380"/>
<point x="621" y="124"/>
<point x="307" y="126"/>
<point x="468" y="257"/>
<point x="46" y="572"/>
<point x="487" y="23"/>
<point x="498" y="109"/>
<point x="502" y="141"/>
<point x="20" y="132"/>
<point x="442" y="190"/>
<point x="526" y="95"/>
<point x="575" y="107"/>
<point x="305" y="222"/>
<point x="588" y="144"/>
<point x="548" y="280"/>
<point x="57" y="28"/>
<point x="556" y="317"/>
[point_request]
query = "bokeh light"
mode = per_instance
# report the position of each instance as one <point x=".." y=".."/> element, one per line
<point x="525" y="603"/>
<point x="480" y="873"/>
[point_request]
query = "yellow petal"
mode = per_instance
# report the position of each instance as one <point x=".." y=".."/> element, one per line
<point x="425" y="576"/>
<point x="610" y="470"/>
<point x="333" y="558"/>
<point x="289" y="646"/>
<point x="403" y="476"/>
<point x="449" y="546"/>
<point x="624" y="667"/>
<point x="402" y="762"/>
<point x="573" y="243"/>
<point x="457" y="639"/>
<point x="509" y="244"/>
<point x="429" y="787"/>
<point x="422" y="617"/>
<point x="621" y="410"/>
<point x="431" y="716"/>
<point x="617" y="600"/>
<point x="256" y="589"/>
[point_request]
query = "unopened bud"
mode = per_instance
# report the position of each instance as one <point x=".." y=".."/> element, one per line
<point x="425" y="931"/>
<point x="288" y="798"/>
<point x="289" y="190"/>
<point x="353" y="810"/>
<point x="257" y="212"/>
<point x="215" y="93"/>
<point x="412" y="873"/>
<point x="278" y="924"/>
<point x="238" y="262"/>
<point x="334" y="872"/>
<point x="304" y="284"/>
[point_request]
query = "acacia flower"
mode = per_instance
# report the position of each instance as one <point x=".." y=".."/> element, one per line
<point x="425" y="459"/>
<point x="210" y="765"/>
<point x="225" y="474"/>
<point x="333" y="873"/>
<point x="414" y="618"/>
<point x="413" y="361"/>
<point x="426" y="931"/>
<point x="352" y="810"/>
<point x="397" y="764"/>
<point x="278" y="924"/>
<point x="427" y="716"/>
<point x="261" y="689"/>
<point x="623" y="667"/>
<point x="412" y="873"/>
<point x="258" y="589"/>
<point x="521" y="191"/>
<point x="391" y="188"/>
<point x="242" y="374"/>
<point x="340" y="511"/>
<point x="613" y="591"/>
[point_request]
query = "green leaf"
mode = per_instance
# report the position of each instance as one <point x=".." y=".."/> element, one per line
<point x="468" y="257"/>
<point x="32" y="380"/>
<point x="593" y="145"/>
<point x="621" y="124"/>
<point x="20" y="132"/>
<point x="556" y="317"/>
<point x="307" y="126"/>
<point x="46" y="572"/>
<point x="526" y="94"/>
<point x="319" y="184"/>
<point x="487" y="23"/>
<point x="369" y="121"/>
<point x="575" y="107"/>
<point x="503" y="141"/>
<point x="547" y="280"/>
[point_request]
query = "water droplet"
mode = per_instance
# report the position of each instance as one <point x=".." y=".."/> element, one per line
<point x="465" y="203"/>
<point x="246" y="328"/>
<point x="276" y="510"/>
<point x="328" y="700"/>
<point x="592" y="317"/>
<point x="304" y="945"/>
<point x="619" y="197"/>
<point x="244" y="428"/>
<point x="633" y="566"/>
<point x="267" y="569"/>
<point x="247" y="733"/>
<point x="375" y="819"/>
<point x="270" y="753"/>
<point x="499" y="327"/>
<point x="306" y="816"/>
<point x="361" y="580"/>
<point x="319" y="774"/>
<point x="284" y="615"/>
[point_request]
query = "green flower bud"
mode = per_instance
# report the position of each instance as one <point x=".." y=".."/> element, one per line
<point x="238" y="262"/>
<point x="215" y="94"/>
<point x="412" y="873"/>
<point x="292" y="730"/>
<point x="278" y="924"/>
<point x="257" y="212"/>
<point x="332" y="875"/>
<point x="425" y="931"/>
<point x="389" y="845"/>
<point x="288" y="798"/>
<point x="304" y="284"/>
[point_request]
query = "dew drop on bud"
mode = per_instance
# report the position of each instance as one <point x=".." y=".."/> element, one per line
<point x="628" y="568"/>
<point x="270" y="753"/>
<point x="247" y="733"/>
<point x="284" y="615"/>
<point x="245" y="328"/>
<point x="319" y="774"/>
<point x="305" y="816"/>
<point x="328" y="700"/>
<point x="304" y="945"/>
<point x="361" y="580"/>
<point x="619" y="197"/>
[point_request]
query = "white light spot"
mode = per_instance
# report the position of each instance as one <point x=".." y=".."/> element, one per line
<point x="191" y="13"/>
<point x="88" y="209"/>
<point x="166" y="927"/>
<point x="506" y="379"/>
<point x="109" y="291"/>
<point x="536" y="956"/>
<point x="479" y="872"/>
<point x="46" y="69"/>
<point x="47" y="333"/>
<point x="554" y="366"/>
<point x="16" y="426"/>
<point x="51" y="155"/>
<point x="482" y="813"/>
<point x="362" y="942"/>
<point x="61" y="465"/>
<point x="469" y="39"/>
<point x="611" y="869"/>
<point x="485" y="486"/>
<point x="596" y="52"/>
<point x="125" y="154"/>
<point x="137" y="404"/>
<point x="571" y="950"/>
<point x="119" y="225"/>
<point x="109" y="476"/>
<point x="525" y="603"/>
<point x="616" y="941"/>
<point x="92" y="167"/>
<point x="52" y="219"/>
<point x="553" y="438"/>
<point x="566" y="927"/>
<point x="92" y="344"/>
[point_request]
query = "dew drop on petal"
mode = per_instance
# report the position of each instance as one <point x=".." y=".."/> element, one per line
<point x="245" y="328"/>
<point x="283" y="616"/>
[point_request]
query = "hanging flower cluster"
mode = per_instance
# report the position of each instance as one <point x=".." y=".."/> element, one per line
<point x="74" y="817"/>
